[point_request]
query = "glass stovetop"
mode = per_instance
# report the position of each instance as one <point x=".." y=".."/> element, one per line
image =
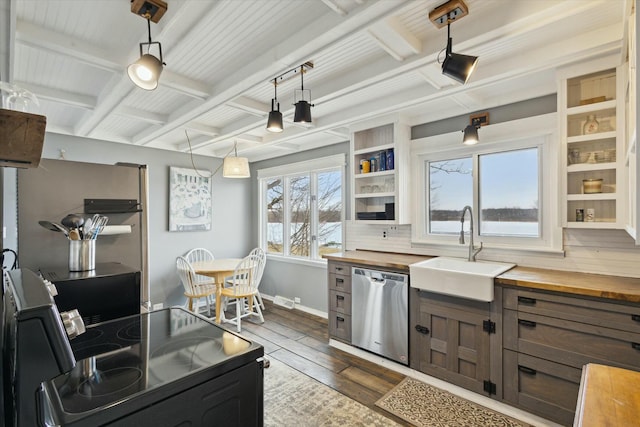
<point x="127" y="356"/>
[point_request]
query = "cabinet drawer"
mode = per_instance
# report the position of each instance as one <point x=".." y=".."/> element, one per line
<point x="339" y="283"/>
<point x="340" y="302"/>
<point x="572" y="343"/>
<point x="545" y="388"/>
<point x="340" y="326"/>
<point x="339" y="268"/>
<point x="625" y="317"/>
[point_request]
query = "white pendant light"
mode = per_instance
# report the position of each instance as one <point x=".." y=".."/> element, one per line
<point x="145" y="72"/>
<point x="236" y="167"/>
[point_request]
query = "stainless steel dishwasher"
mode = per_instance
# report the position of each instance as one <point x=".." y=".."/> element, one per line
<point x="379" y="313"/>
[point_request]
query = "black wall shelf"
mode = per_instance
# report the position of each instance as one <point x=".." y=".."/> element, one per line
<point x="104" y="206"/>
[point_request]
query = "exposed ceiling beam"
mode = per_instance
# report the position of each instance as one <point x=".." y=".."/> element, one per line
<point x="138" y="114"/>
<point x="395" y="38"/>
<point x="202" y="129"/>
<point x="250" y="106"/>
<point x="293" y="50"/>
<point x="331" y="4"/>
<point x="96" y="57"/>
<point x="335" y="133"/>
<point x="61" y="96"/>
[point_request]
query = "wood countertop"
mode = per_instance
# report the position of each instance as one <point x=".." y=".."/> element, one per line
<point x="594" y="285"/>
<point x="608" y="397"/>
<point x="378" y="259"/>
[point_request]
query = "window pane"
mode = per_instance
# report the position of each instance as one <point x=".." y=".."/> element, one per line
<point x="300" y="237"/>
<point x="329" y="212"/>
<point x="275" y="216"/>
<point x="450" y="190"/>
<point x="509" y="189"/>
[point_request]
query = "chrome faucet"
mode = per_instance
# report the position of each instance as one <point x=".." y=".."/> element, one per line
<point x="472" y="250"/>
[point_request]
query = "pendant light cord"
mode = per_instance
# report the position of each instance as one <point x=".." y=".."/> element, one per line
<point x="235" y="144"/>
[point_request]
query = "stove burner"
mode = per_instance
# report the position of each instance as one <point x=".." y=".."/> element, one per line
<point x="85" y="351"/>
<point x="190" y="351"/>
<point x="103" y="383"/>
<point x="130" y="332"/>
<point x="90" y="335"/>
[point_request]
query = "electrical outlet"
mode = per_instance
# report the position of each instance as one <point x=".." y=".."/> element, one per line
<point x="157" y="306"/>
<point x="296" y="300"/>
<point x="384" y="234"/>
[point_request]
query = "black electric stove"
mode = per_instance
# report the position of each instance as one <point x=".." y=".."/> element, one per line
<point x="165" y="367"/>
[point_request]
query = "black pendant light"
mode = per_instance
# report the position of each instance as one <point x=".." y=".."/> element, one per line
<point x="274" y="124"/>
<point x="470" y="135"/>
<point x="303" y="107"/>
<point x="457" y="66"/>
<point x="145" y="72"/>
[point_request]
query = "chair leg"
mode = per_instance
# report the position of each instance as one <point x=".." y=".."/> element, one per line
<point x="238" y="313"/>
<point x="259" y="312"/>
<point x="259" y="299"/>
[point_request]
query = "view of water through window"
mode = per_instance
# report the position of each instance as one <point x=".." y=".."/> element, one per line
<point x="508" y="195"/>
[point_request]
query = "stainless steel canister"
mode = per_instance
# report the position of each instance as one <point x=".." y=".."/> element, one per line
<point x="82" y="255"/>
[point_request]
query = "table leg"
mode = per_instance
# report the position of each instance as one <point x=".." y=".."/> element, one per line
<point x="219" y="286"/>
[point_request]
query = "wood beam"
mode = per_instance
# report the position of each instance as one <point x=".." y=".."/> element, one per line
<point x="60" y="96"/>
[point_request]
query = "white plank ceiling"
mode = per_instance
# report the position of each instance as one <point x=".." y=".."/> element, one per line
<point x="371" y="58"/>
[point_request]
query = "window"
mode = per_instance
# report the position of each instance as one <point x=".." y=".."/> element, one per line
<point x="302" y="208"/>
<point x="512" y="200"/>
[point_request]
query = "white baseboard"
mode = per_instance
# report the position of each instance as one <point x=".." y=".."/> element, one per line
<point x="503" y="408"/>
<point x="300" y="307"/>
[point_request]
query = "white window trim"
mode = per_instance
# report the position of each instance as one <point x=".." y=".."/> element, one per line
<point x="540" y="131"/>
<point x="309" y="167"/>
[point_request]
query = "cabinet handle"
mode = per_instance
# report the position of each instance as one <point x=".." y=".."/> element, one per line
<point x="340" y="319"/>
<point x="635" y="317"/>
<point x="339" y="297"/>
<point x="526" y="300"/>
<point x="528" y="323"/>
<point x="526" y="370"/>
<point x="338" y="268"/>
<point x="339" y="280"/>
<point x="422" y="329"/>
<point x="635" y="345"/>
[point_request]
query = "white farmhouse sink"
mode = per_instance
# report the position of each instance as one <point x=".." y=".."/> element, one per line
<point x="457" y="277"/>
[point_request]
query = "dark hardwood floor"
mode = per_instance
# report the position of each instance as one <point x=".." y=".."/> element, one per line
<point x="301" y="341"/>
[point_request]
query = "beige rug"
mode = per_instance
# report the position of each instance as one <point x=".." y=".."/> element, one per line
<point x="426" y="406"/>
<point x="293" y="399"/>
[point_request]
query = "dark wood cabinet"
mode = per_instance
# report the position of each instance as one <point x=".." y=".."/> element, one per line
<point x="549" y="337"/>
<point x="451" y="339"/>
<point x="339" y="281"/>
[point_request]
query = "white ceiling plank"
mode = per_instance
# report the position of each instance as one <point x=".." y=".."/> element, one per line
<point x="295" y="50"/>
<point x="395" y="39"/>
<point x="145" y="116"/>
<point x="250" y="106"/>
<point x="334" y="6"/>
<point x="190" y="142"/>
<point x="61" y="96"/>
<point x="252" y="139"/>
<point x="44" y="39"/>
<point x="202" y="129"/>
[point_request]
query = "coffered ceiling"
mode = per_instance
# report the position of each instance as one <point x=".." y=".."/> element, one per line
<point x="370" y="58"/>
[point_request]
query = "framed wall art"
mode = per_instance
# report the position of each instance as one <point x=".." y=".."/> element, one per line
<point x="190" y="199"/>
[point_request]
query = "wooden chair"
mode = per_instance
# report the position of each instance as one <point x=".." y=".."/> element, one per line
<point x="194" y="290"/>
<point x="200" y="254"/>
<point x="259" y="252"/>
<point x="263" y="255"/>
<point x="244" y="287"/>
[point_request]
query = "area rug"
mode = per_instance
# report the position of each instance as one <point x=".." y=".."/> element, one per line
<point x="293" y="399"/>
<point x="426" y="406"/>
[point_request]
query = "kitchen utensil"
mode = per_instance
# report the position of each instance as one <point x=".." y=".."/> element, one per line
<point x="48" y="225"/>
<point x="54" y="226"/>
<point x="74" y="234"/>
<point x="86" y="228"/>
<point x="72" y="221"/>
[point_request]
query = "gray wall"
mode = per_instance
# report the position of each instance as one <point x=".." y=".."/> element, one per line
<point x="231" y="233"/>
<point x="285" y="278"/>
